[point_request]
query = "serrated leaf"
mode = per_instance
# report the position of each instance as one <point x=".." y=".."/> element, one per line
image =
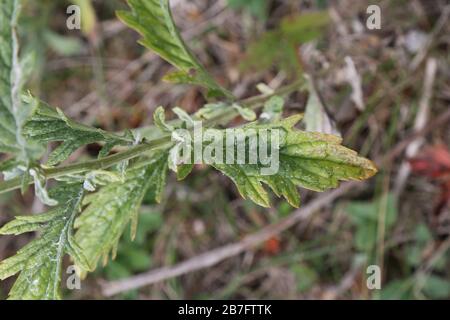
<point x="113" y="207"/>
<point x="310" y="160"/>
<point x="153" y="20"/>
<point x="100" y="178"/>
<point x="40" y="190"/>
<point x="47" y="124"/>
<point x="39" y="262"/>
<point x="159" y="119"/>
<point x="13" y="113"/>
<point x="183" y="171"/>
<point x="8" y="165"/>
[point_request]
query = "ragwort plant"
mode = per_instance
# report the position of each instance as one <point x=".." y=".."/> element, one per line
<point x="92" y="202"/>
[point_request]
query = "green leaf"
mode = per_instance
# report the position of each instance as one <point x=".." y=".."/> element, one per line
<point x="258" y="8"/>
<point x="310" y="160"/>
<point x="39" y="187"/>
<point x="159" y="119"/>
<point x="8" y="165"/>
<point x="423" y="234"/>
<point x="153" y="20"/>
<point x="245" y="113"/>
<point x="437" y="287"/>
<point x="47" y="124"/>
<point x="305" y="27"/>
<point x="13" y="113"/>
<point x="111" y="209"/>
<point x="39" y="262"/>
<point x="63" y="45"/>
<point x="365" y="216"/>
<point x="184" y="170"/>
<point x="137" y="259"/>
<point x="363" y="212"/>
<point x="184" y="117"/>
<point x="398" y="289"/>
<point x="279" y="47"/>
<point x="88" y="17"/>
<point x="266" y="52"/>
<point x="305" y="276"/>
<point x="211" y="110"/>
<point x="366" y="237"/>
<point x="273" y="109"/>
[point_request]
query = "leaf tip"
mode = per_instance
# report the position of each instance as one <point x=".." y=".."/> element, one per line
<point x="370" y="169"/>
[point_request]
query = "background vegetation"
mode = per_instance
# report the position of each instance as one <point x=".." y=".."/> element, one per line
<point x="385" y="91"/>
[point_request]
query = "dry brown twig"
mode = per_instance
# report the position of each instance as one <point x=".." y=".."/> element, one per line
<point x="420" y="122"/>
<point x="422" y="54"/>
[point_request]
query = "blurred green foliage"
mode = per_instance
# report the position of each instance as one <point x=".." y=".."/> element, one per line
<point x="63" y="45"/>
<point x="365" y="216"/>
<point x="416" y="283"/>
<point x="279" y="47"/>
<point x="413" y="282"/>
<point x="258" y="8"/>
<point x="305" y="276"/>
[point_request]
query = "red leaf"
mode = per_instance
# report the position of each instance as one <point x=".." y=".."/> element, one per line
<point x="434" y="162"/>
<point x="272" y="246"/>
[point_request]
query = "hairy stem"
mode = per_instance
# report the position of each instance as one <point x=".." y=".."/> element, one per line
<point x="135" y="151"/>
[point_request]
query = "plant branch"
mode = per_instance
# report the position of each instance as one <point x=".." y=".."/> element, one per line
<point x="135" y="151"/>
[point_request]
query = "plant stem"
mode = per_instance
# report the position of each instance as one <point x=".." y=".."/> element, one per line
<point x="135" y="151"/>
<point x="109" y="161"/>
<point x="96" y="164"/>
